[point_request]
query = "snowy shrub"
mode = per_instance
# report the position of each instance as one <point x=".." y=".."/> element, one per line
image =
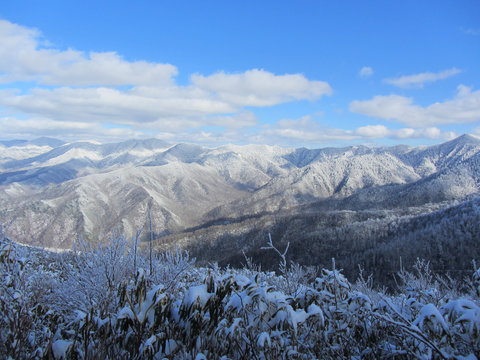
<point x="25" y="321"/>
<point x="100" y="303"/>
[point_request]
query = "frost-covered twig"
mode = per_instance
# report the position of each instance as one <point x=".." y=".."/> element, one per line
<point x="283" y="262"/>
<point x="415" y="332"/>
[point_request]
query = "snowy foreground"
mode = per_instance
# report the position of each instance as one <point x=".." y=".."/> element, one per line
<point x="115" y="303"/>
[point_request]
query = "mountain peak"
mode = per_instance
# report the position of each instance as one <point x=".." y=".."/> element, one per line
<point x="466" y="139"/>
<point x="47" y="141"/>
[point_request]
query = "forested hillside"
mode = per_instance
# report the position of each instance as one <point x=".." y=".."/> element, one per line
<point x="116" y="302"/>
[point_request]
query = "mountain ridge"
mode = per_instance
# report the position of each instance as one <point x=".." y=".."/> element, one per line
<point x="86" y="189"/>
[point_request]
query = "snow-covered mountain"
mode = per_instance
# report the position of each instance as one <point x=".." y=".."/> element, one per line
<point x="12" y="150"/>
<point x="52" y="192"/>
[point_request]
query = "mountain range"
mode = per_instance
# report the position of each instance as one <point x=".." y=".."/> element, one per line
<point x="52" y="192"/>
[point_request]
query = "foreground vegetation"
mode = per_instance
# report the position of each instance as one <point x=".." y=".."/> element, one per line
<point x="115" y="302"/>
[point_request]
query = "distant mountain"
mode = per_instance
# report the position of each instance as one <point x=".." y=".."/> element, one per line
<point x="20" y="149"/>
<point x="9" y="143"/>
<point x="68" y="161"/>
<point x="63" y="191"/>
<point x="41" y="141"/>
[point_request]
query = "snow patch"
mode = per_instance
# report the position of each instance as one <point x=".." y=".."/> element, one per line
<point x="197" y="294"/>
<point x="60" y="348"/>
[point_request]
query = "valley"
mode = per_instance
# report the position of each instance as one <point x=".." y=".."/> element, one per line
<point x="373" y="207"/>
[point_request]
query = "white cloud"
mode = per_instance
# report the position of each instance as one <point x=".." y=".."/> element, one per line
<point x="286" y="132"/>
<point x="75" y="92"/>
<point x="23" y="58"/>
<point x="291" y="131"/>
<point x="417" y="80"/>
<point x="390" y="107"/>
<point x="261" y="88"/>
<point x="111" y="105"/>
<point x="76" y="87"/>
<point x="381" y="131"/>
<point x="365" y="72"/>
<point x="372" y="131"/>
<point x="463" y="108"/>
<point x="235" y="121"/>
<point x="66" y="130"/>
<point x="302" y="129"/>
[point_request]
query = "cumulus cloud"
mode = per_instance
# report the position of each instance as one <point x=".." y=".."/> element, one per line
<point x="74" y="87"/>
<point x="235" y="121"/>
<point x="381" y="131"/>
<point x="365" y="72"/>
<point x="418" y="80"/>
<point x="306" y="129"/>
<point x="66" y="130"/>
<point x="372" y="131"/>
<point x="24" y="58"/>
<point x="261" y="88"/>
<point x="111" y="105"/>
<point x="75" y="92"/>
<point x="463" y="108"/>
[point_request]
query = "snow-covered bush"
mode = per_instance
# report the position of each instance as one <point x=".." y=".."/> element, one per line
<point x="26" y="321"/>
<point x="100" y="303"/>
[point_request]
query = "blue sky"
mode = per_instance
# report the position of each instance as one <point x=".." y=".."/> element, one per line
<point x="306" y="73"/>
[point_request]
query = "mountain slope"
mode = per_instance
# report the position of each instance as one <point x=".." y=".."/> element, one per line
<point x="87" y="189"/>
